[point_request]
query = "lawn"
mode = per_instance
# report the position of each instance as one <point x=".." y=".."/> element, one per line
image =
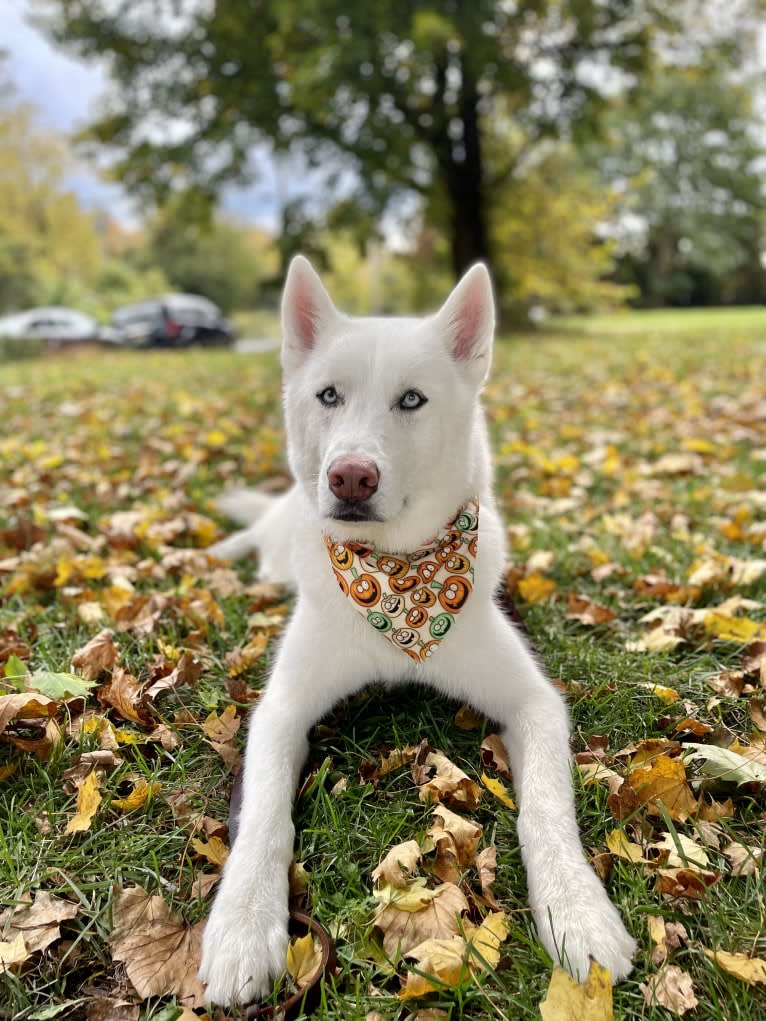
<point x="631" y="457"/>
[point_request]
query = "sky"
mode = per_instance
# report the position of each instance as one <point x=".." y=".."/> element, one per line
<point x="66" y="93"/>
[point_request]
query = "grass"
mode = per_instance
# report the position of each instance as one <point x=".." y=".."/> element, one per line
<point x="580" y="419"/>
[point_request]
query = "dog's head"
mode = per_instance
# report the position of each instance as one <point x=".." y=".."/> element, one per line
<point x="383" y="425"/>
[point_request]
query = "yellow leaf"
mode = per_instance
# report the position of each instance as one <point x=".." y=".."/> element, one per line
<point x="618" y="843"/>
<point x="747" y="969"/>
<point x="666" y="695"/>
<point x="567" y="1000"/>
<point x="440" y="962"/>
<point x="664" y="781"/>
<point x="88" y="800"/>
<point x="141" y="792"/>
<point x="13" y="952"/>
<point x="487" y="938"/>
<point x="499" y="790"/>
<point x="304" y="959"/>
<point x="734" y="629"/>
<point x="536" y="588"/>
<point x="214" y="849"/>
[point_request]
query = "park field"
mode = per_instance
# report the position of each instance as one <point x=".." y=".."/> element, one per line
<point x="631" y="466"/>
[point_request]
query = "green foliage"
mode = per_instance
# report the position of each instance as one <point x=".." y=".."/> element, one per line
<point x="686" y="153"/>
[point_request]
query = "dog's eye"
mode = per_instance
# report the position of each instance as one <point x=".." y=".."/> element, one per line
<point x="329" y="397"/>
<point x="411" y="400"/>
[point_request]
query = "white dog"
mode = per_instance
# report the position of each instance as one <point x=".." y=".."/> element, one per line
<point x="392" y="539"/>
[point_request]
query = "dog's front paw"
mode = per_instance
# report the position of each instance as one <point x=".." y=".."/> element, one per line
<point x="580" y="923"/>
<point x="243" y="952"/>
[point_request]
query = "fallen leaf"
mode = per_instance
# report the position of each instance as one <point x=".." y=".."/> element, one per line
<point x="664" y="782"/>
<point x="494" y="755"/>
<point x="467" y="718"/>
<point x="586" y="611"/>
<point x="141" y="793"/>
<point x="125" y="695"/>
<point x="161" y="955"/>
<point x="456" y="840"/>
<point x="486" y="866"/>
<point x="96" y="656"/>
<point x="621" y="847"/>
<point x="440" y="962"/>
<point x="438" y="918"/>
<point x="725" y="764"/>
<point x="751" y="970"/>
<point x="691" y="883"/>
<point x="25" y="706"/>
<point x="448" y="783"/>
<point x="671" y="988"/>
<point x="567" y="1000"/>
<point x="536" y="588"/>
<point x="484" y="942"/>
<point x="745" y="859"/>
<point x="88" y="800"/>
<point x="399" y="864"/>
<point x="499" y="790"/>
<point x="38" y="922"/>
<point x="666" y="695"/>
<point x="108" y="1008"/>
<point x="304" y="959"/>
<point x="242" y="658"/>
<point x="12" y="952"/>
<point x="679" y="851"/>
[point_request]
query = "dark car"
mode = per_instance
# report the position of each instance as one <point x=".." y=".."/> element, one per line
<point x="174" y="320"/>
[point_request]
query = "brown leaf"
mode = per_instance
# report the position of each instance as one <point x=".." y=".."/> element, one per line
<point x="27" y="705"/>
<point x="745" y="859"/>
<point x="438" y="916"/>
<point x="664" y="782"/>
<point x="486" y="865"/>
<point x="456" y="840"/>
<point x="96" y="656"/>
<point x="690" y="883"/>
<point x="161" y="955"/>
<point x="244" y="656"/>
<point x="466" y="718"/>
<point x="754" y="661"/>
<point x="399" y="864"/>
<point x="448" y="783"/>
<point x="125" y="695"/>
<point x="584" y="610"/>
<point x="186" y="671"/>
<point x="494" y="756"/>
<point x="13" y="952"/>
<point x="667" y="936"/>
<point x="37" y="921"/>
<point x="109" y="1008"/>
<point x="670" y="988"/>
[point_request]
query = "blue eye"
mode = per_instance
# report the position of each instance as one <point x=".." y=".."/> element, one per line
<point x="412" y="400"/>
<point x="329" y="397"/>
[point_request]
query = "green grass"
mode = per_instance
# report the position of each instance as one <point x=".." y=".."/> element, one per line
<point x="164" y="432"/>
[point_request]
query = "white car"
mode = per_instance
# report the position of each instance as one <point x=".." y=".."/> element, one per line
<point x="56" y="325"/>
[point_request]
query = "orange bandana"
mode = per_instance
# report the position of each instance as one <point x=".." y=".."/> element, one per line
<point x="412" y="600"/>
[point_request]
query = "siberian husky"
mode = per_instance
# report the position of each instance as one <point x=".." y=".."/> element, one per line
<point x="392" y="539"/>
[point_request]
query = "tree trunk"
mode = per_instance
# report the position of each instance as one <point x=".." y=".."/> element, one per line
<point x="469" y="240"/>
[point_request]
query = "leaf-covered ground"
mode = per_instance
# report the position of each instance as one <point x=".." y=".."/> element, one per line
<point x="631" y="461"/>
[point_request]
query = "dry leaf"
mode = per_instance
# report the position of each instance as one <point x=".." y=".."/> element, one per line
<point x="438" y="918"/>
<point x="587" y="612"/>
<point x="107" y="1008"/>
<point x="670" y="988"/>
<point x="751" y="970"/>
<point x="213" y="849"/>
<point x="88" y="800"/>
<point x="304" y="959"/>
<point x="456" y="840"/>
<point x="125" y="695"/>
<point x="621" y="847"/>
<point x="494" y="755"/>
<point x="12" y="952"/>
<point x="667" y="936"/>
<point x="486" y="865"/>
<point x="440" y="962"/>
<point x="97" y="656"/>
<point x="679" y="851"/>
<point x="38" y="922"/>
<point x="161" y="955"/>
<point x="567" y="1000"/>
<point x="399" y="864"/>
<point x="141" y="793"/>
<point x="536" y="588"/>
<point x="745" y="859"/>
<point x="692" y="883"/>
<point x="664" y="781"/>
<point x="484" y="942"/>
<point x="242" y="658"/>
<point x="449" y="783"/>
<point x="26" y="705"/>
<point x="467" y="718"/>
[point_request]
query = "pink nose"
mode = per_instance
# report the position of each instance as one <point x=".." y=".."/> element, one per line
<point x="352" y="479"/>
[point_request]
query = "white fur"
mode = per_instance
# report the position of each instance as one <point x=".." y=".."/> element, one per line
<point x="430" y="461"/>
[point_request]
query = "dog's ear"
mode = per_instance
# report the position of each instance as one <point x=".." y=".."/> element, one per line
<point x="467" y="320"/>
<point x="307" y="309"/>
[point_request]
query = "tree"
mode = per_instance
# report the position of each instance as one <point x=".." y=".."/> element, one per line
<point x="400" y="91"/>
<point x="687" y="157"/>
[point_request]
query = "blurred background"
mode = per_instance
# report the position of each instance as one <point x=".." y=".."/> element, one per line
<point x="599" y="155"/>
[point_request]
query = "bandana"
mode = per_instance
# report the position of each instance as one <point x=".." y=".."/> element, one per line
<point x="412" y="600"/>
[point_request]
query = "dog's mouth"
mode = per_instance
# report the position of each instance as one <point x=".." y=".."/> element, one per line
<point x="354" y="512"/>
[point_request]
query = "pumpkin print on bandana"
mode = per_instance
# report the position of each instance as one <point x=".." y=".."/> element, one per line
<point x="412" y="600"/>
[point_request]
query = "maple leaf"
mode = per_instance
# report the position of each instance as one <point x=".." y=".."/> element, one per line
<point x="242" y="658"/>
<point x="304" y="960"/>
<point x="751" y="970"/>
<point x="161" y="955"/>
<point x="494" y="755"/>
<point x="126" y="696"/>
<point x="664" y="782"/>
<point x="440" y="962"/>
<point x="587" y="612"/>
<point x="671" y="988"/>
<point x="456" y="840"/>
<point x="12" y="953"/>
<point x="213" y="849"/>
<point x="745" y="858"/>
<point x="621" y="847"/>
<point x="567" y="1000"/>
<point x="141" y="793"/>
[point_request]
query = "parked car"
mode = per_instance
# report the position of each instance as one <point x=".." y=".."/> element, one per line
<point x="56" y="325"/>
<point x="174" y="320"/>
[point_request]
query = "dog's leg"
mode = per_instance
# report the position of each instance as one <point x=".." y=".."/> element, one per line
<point x="574" y="917"/>
<point x="245" y="938"/>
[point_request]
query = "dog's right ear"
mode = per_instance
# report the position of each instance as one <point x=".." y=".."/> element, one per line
<point x="307" y="309"/>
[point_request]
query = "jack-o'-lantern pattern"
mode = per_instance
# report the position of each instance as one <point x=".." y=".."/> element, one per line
<point x="412" y="600"/>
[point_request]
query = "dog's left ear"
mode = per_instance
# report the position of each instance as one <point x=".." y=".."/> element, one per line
<point x="467" y="320"/>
